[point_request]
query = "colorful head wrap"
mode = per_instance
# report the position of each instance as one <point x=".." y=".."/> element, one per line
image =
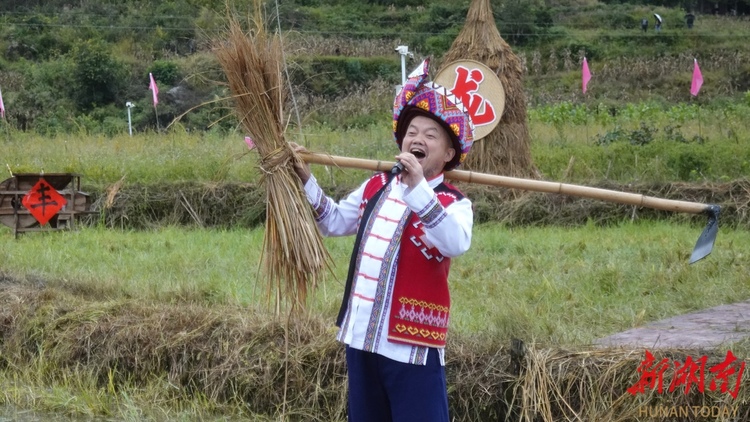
<point x="421" y="97"/>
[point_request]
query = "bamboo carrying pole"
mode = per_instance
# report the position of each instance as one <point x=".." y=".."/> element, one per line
<point x="702" y="248"/>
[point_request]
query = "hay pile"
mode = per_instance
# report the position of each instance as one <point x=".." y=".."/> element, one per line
<point x="294" y="254"/>
<point x="237" y="357"/>
<point x="506" y="150"/>
<point x="222" y="355"/>
<point x="233" y="205"/>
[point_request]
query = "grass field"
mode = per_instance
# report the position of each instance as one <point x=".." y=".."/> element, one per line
<point x="149" y="296"/>
<point x="164" y="303"/>
<point x="645" y="142"/>
<point x="543" y="284"/>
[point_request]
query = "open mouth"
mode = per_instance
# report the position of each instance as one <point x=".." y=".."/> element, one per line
<point x="418" y="153"/>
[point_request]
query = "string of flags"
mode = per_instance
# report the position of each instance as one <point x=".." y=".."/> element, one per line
<point x="695" y="84"/>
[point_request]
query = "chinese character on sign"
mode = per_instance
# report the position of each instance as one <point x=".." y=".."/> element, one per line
<point x="43" y="201"/>
<point x="465" y="88"/>
<point x="727" y="375"/>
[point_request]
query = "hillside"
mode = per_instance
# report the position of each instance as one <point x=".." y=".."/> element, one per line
<point x="71" y="67"/>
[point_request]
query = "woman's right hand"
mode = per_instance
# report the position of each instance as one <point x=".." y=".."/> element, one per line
<point x="300" y="167"/>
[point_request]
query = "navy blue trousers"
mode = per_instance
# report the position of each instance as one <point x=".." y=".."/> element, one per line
<point x="383" y="390"/>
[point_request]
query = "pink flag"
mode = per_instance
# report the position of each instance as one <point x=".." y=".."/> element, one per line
<point x="695" y="86"/>
<point x="155" y="90"/>
<point x="2" y="106"/>
<point x="586" y="75"/>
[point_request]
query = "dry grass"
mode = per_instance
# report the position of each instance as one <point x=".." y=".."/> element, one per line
<point x="591" y="385"/>
<point x="295" y="257"/>
<point x="223" y="354"/>
<point x="227" y="205"/>
<point x="231" y="357"/>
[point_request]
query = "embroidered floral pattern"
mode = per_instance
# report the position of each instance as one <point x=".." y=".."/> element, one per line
<point x="417" y="311"/>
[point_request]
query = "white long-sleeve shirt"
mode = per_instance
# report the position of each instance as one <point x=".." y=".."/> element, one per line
<point x="365" y="324"/>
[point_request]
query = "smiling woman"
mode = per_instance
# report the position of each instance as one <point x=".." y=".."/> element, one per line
<point x="429" y="143"/>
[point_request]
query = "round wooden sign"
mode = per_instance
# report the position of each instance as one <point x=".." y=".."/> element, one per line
<point x="479" y="89"/>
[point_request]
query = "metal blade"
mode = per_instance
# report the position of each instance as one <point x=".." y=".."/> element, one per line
<point x="705" y="243"/>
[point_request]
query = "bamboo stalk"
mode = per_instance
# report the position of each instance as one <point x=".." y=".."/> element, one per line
<point x="523" y="184"/>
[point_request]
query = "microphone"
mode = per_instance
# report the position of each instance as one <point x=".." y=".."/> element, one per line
<point x="397" y="168"/>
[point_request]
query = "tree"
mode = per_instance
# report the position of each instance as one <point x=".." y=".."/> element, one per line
<point x="98" y="76"/>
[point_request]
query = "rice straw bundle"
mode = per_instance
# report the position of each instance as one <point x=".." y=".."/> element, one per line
<point x="294" y="254"/>
<point x="507" y="149"/>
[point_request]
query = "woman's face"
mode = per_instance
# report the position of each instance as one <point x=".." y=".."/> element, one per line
<point x="430" y="143"/>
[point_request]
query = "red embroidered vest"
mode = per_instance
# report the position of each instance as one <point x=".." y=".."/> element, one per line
<point x="420" y="305"/>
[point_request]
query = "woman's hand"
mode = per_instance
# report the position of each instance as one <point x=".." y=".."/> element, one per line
<point x="413" y="173"/>
<point x="300" y="167"/>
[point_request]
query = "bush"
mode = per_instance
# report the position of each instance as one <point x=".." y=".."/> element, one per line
<point x="333" y="75"/>
<point x="98" y="77"/>
<point x="689" y="164"/>
<point x="165" y="71"/>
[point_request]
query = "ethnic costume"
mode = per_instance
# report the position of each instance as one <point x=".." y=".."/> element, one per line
<point x="396" y="307"/>
<point x="432" y="223"/>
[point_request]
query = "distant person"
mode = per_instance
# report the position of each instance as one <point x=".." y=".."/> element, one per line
<point x="644" y="24"/>
<point x="689" y="19"/>
<point x="657" y="26"/>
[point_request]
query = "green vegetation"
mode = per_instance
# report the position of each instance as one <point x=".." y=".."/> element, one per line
<point x="71" y="67"/>
<point x="514" y="283"/>
<point x="138" y="325"/>
<point x="641" y="143"/>
<point x="152" y="312"/>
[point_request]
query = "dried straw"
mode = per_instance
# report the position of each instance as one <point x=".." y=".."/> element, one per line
<point x="591" y="385"/>
<point x="294" y="254"/>
<point x="506" y="150"/>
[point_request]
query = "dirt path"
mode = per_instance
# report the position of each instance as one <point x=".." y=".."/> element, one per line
<point x="708" y="328"/>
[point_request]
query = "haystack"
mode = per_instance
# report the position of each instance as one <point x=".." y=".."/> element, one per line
<point x="506" y="150"/>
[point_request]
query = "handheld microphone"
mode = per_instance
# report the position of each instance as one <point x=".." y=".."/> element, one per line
<point x="397" y="168"/>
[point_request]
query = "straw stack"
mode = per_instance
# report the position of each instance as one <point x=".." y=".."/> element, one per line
<point x="506" y="150"/>
<point x="294" y="255"/>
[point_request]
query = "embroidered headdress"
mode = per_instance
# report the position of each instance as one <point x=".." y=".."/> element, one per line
<point x="421" y="97"/>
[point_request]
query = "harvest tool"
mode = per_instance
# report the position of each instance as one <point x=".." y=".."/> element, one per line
<point x="703" y="246"/>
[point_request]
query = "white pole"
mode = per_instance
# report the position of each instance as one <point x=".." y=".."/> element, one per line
<point x="403" y="51"/>
<point x="129" y="105"/>
<point x="403" y="69"/>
